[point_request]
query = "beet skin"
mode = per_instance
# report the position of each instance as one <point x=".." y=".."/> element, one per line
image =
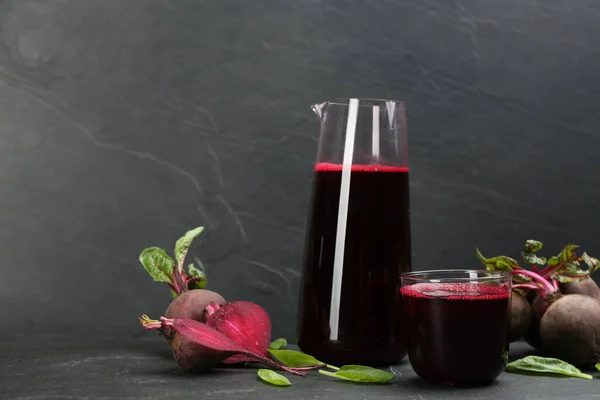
<point x="538" y="307"/>
<point x="193" y="357"/>
<point x="586" y="286"/>
<point x="191" y="304"/>
<point x="520" y="316"/>
<point x="570" y="330"/>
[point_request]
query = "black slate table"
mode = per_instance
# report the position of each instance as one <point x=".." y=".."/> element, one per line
<point x="77" y="367"/>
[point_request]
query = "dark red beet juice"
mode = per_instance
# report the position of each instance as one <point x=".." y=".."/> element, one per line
<point x="377" y="252"/>
<point x="457" y="333"/>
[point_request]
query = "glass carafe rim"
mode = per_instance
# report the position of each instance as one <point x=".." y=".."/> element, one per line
<point x="362" y="101"/>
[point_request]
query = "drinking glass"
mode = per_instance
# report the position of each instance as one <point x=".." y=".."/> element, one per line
<point x="358" y="235"/>
<point x="456" y="324"/>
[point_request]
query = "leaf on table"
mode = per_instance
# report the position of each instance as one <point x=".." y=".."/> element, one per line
<point x="273" y="377"/>
<point x="546" y="365"/>
<point x="360" y="373"/>
<point x="293" y="358"/>
<point x="278" y="344"/>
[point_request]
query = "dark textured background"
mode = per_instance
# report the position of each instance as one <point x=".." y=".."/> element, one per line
<point x="125" y="123"/>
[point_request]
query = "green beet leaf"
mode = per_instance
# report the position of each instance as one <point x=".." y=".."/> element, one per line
<point x="158" y="264"/>
<point x="529" y="256"/>
<point x="196" y="273"/>
<point x="566" y="254"/>
<point x="359" y="373"/>
<point x="500" y="263"/>
<point x="293" y="358"/>
<point x="545" y="365"/>
<point x="273" y="377"/>
<point x="532" y="246"/>
<point x="278" y="344"/>
<point x="598" y="366"/>
<point x="592" y="263"/>
<point x="183" y="245"/>
<point x="570" y="266"/>
<point x="534" y="259"/>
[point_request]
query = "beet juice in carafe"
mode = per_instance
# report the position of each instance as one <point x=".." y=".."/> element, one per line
<point x="358" y="236"/>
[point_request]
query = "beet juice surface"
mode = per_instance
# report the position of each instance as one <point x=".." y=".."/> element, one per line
<point x="358" y="236"/>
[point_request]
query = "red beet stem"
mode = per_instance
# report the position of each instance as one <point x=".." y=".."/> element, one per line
<point x="526" y="286"/>
<point x="179" y="280"/>
<point x="547" y="286"/>
<point x="192" y="280"/>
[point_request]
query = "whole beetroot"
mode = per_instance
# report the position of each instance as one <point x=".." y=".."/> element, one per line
<point x="520" y="316"/>
<point x="539" y="305"/>
<point x="570" y="330"/>
<point x="587" y="286"/>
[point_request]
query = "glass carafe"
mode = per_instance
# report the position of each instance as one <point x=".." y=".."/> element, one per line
<point x="358" y="239"/>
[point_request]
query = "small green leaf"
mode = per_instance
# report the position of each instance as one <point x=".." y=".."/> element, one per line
<point x="278" y="344"/>
<point x="598" y="366"/>
<point x="570" y="274"/>
<point x="545" y="365"/>
<point x="158" y="264"/>
<point x="592" y="263"/>
<point x="273" y="377"/>
<point x="569" y="271"/>
<point x="533" y="259"/>
<point x="529" y="256"/>
<point x="183" y="245"/>
<point x="196" y="273"/>
<point x="293" y="358"/>
<point x="567" y="253"/>
<point x="359" y="373"/>
<point x="532" y="246"/>
<point x="500" y="263"/>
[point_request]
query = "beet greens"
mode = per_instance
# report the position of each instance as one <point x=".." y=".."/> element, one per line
<point x="162" y="268"/>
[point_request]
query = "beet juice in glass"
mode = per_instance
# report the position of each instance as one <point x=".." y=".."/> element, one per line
<point x="358" y="235"/>
<point x="456" y="324"/>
